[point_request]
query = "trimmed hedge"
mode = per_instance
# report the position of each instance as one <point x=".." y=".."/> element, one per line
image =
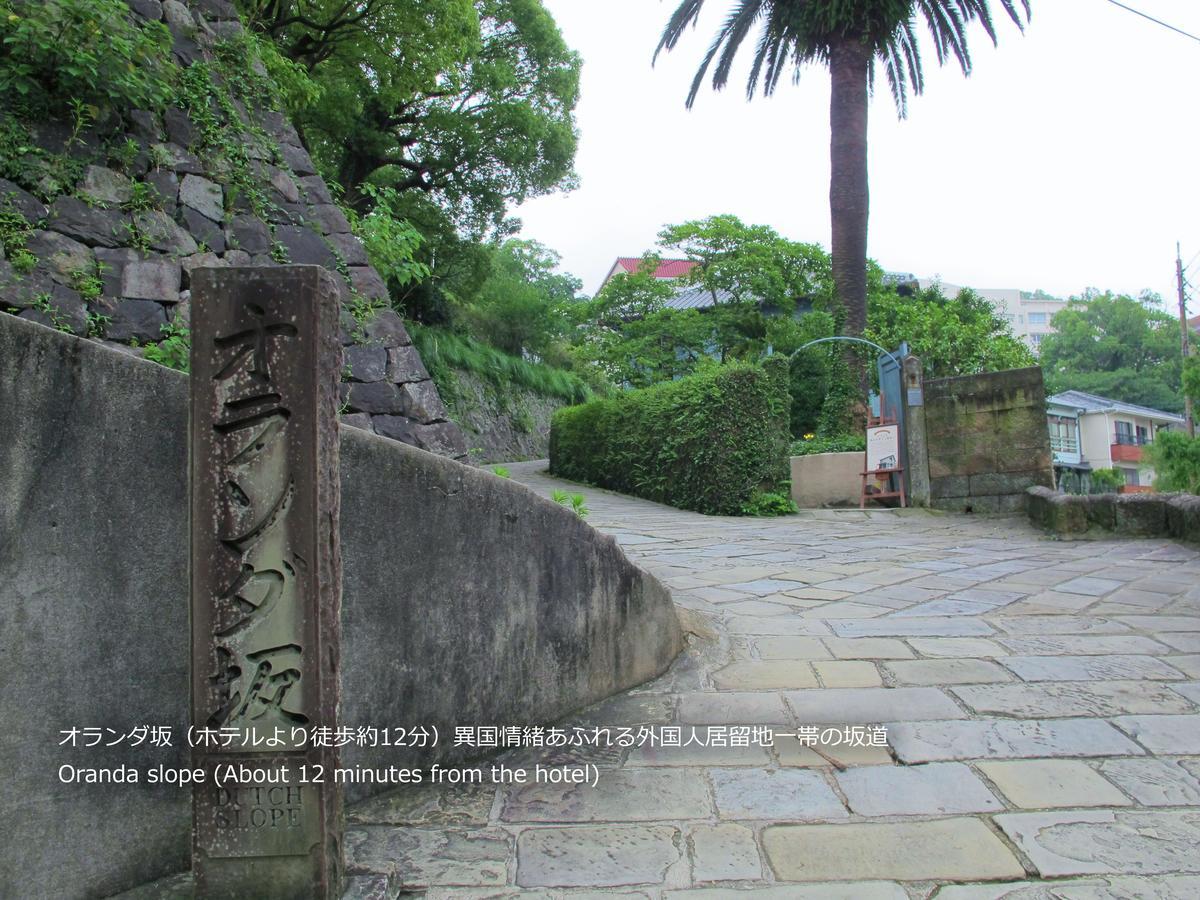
<point x="707" y="442"/>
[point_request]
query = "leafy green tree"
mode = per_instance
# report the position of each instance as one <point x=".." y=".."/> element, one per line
<point x="524" y="305"/>
<point x="470" y="103"/>
<point x="850" y="37"/>
<point x="953" y="336"/>
<point x="1176" y="461"/>
<point x="1118" y="347"/>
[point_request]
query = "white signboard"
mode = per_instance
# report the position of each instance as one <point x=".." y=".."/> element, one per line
<point x="883" y="447"/>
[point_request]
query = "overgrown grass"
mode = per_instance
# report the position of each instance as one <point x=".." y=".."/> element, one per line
<point x="443" y="350"/>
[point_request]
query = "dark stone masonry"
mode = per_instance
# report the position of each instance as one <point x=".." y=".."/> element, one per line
<point x="115" y="252"/>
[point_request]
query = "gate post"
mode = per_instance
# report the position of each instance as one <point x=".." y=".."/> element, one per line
<point x="914" y="432"/>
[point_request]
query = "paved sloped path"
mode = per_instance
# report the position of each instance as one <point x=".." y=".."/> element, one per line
<point x="1040" y="703"/>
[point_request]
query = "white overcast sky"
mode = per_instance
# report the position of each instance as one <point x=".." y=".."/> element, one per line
<point x="1068" y="159"/>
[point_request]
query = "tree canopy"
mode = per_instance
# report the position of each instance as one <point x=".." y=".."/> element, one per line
<point x="470" y="103"/>
<point x="1118" y="347"/>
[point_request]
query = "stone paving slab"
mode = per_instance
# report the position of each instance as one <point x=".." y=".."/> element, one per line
<point x="1051" y="783"/>
<point x="724" y="852"/>
<point x="1169" y="887"/>
<point x="733" y="708"/>
<point x="945" y="671"/>
<point x="918" y="742"/>
<point x="422" y="857"/>
<point x="836" y="706"/>
<point x="1083" y="842"/>
<point x="930" y="790"/>
<point x="957" y="848"/>
<point x="620" y="796"/>
<point x="1164" y="734"/>
<point x="764" y="675"/>
<point x="858" y="890"/>
<point x="775" y="794"/>
<point x="1066" y="699"/>
<point x="596" y="855"/>
<point x="1090" y="668"/>
<point x="1156" y="782"/>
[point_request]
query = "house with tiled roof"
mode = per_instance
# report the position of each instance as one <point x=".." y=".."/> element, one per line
<point x="687" y="296"/>
<point x="1089" y="432"/>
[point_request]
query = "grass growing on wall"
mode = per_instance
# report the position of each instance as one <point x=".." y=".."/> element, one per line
<point x="709" y="442"/>
<point x="443" y="351"/>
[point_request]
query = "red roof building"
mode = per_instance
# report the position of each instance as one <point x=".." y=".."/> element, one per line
<point x="667" y="268"/>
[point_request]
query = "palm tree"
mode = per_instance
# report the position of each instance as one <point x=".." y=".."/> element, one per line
<point x="848" y="36"/>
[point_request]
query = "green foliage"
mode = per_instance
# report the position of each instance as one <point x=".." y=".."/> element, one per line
<point x="1191" y="379"/>
<point x="501" y="472"/>
<point x="89" y="282"/>
<point x="468" y="102"/>
<point x="390" y="240"/>
<point x="577" y="502"/>
<point x="810" y="444"/>
<point x="97" y="324"/>
<point x="43" y="304"/>
<point x="1115" y="346"/>
<point x="963" y="335"/>
<point x="1107" y="481"/>
<point x="173" y="350"/>
<point x="443" y="352"/>
<point x="14" y="232"/>
<point x="1176" y="461"/>
<point x="707" y="442"/>
<point x="770" y="503"/>
<point x="92" y="52"/>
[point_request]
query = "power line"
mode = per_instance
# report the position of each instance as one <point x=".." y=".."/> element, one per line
<point x="1138" y="12"/>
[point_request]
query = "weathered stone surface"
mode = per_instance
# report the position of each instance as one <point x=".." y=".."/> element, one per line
<point x="136" y="319"/>
<point x="1174" y="734"/>
<point x="285" y="186"/>
<point x="1049" y="783"/>
<point x="177" y="17"/>
<point x="1168" y="887"/>
<point x="368" y="283"/>
<point x="758" y="675"/>
<point x="1156" y="782"/>
<point x="386" y="328"/>
<point x="421" y="401"/>
<point x="934" y="789"/>
<point x="857" y="890"/>
<point x="1085" y="645"/>
<point x="1106" y="841"/>
<point x="418" y="858"/>
<point x="249" y="234"/>
<point x="304" y="247"/>
<point x="918" y="742"/>
<point x="315" y="189"/>
<point x="1072" y="698"/>
<point x="366" y="363"/>
<point x="356" y="420"/>
<point x="724" y="853"/>
<point x="871" y="705"/>
<point x="945" y="671"/>
<point x="163" y="234"/>
<point x="868" y="648"/>
<point x="956" y="648"/>
<point x="428" y="805"/>
<point x="595" y="855"/>
<point x="65" y="311"/>
<point x="199" y="261"/>
<point x="106" y="185"/>
<point x="788" y="647"/>
<point x="958" y="849"/>
<point x="404" y="365"/>
<point x="444" y="439"/>
<point x="152" y="280"/>
<point x="695" y="755"/>
<point x="845" y="673"/>
<point x="330" y="219"/>
<point x="60" y="256"/>
<point x="30" y="207"/>
<point x="913" y="627"/>
<point x="375" y="398"/>
<point x="772" y="794"/>
<point x="349" y="248"/>
<point x="91" y="225"/>
<point x="206" y="232"/>
<point x="1089" y="668"/>
<point x="298" y="160"/>
<point x="620" y="796"/>
<point x="732" y="708"/>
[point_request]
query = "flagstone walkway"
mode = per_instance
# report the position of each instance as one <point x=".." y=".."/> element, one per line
<point x="1040" y="700"/>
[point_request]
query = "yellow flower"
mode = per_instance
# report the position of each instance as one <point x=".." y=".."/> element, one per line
<point x="809" y="437"/>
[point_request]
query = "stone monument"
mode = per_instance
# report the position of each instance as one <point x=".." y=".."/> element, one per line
<point x="265" y="582"/>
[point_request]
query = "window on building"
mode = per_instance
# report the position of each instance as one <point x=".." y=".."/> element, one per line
<point x="1124" y="433"/>
<point x="1131" y="477"/>
<point x="1037" y="339"/>
<point x="1036" y="318"/>
<point x="1143" y="434"/>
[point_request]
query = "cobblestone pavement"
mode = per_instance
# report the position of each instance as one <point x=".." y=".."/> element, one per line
<point x="1040" y="697"/>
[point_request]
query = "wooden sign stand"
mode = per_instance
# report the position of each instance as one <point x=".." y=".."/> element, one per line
<point x="895" y="474"/>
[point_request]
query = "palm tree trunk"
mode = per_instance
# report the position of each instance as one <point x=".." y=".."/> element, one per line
<point x="849" y="65"/>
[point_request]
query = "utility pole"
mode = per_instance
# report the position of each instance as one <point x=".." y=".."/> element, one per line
<point x="1185" y="337"/>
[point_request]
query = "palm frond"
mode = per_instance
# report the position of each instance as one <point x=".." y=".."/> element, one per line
<point x="685" y="14"/>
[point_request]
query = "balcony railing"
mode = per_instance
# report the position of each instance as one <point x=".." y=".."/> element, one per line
<point x="1060" y="444"/>
<point x="1125" y="439"/>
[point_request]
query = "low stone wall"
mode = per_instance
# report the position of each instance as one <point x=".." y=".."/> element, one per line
<point x="500" y="424"/>
<point x="1136" y="515"/>
<point x="827" y="479"/>
<point x="987" y="440"/>
<point x="467" y="600"/>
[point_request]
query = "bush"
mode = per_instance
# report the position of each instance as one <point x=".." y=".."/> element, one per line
<point x="55" y="53"/>
<point x="1176" y="461"/>
<point x="841" y="443"/>
<point x="708" y="442"/>
<point x="1107" y="481"/>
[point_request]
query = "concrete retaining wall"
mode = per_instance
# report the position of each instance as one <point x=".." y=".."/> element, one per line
<point x="827" y="479"/>
<point x="987" y="440"/>
<point x="467" y="600"/>
<point x="1135" y="515"/>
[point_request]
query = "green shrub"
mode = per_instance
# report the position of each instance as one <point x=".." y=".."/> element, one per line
<point x="841" y="443"/>
<point x="1176" y="461"/>
<point x="58" y="52"/>
<point x="707" y="442"/>
<point x="1107" y="481"/>
<point x="173" y="350"/>
<point x="770" y="503"/>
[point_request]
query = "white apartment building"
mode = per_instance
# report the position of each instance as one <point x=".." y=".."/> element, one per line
<point x="1029" y="314"/>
